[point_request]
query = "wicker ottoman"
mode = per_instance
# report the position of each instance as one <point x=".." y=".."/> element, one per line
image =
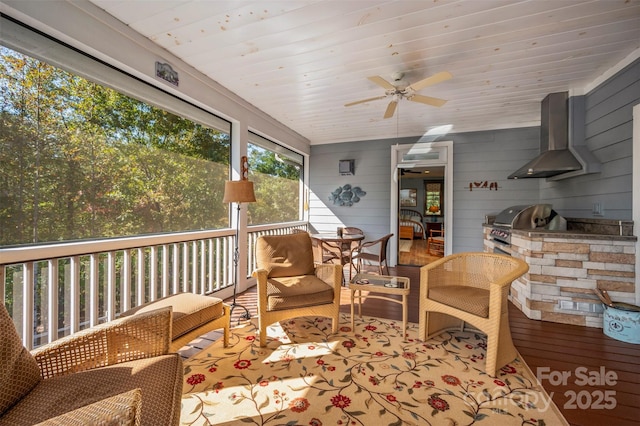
<point x="193" y="315"/>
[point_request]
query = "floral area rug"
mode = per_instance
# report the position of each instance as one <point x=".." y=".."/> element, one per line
<point x="368" y="376"/>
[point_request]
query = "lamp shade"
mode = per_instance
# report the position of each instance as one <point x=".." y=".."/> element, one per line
<point x="238" y="191"/>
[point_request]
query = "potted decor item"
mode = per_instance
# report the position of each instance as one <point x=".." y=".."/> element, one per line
<point x="621" y="321"/>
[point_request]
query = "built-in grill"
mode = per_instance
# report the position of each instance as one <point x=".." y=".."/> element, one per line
<point x="528" y="217"/>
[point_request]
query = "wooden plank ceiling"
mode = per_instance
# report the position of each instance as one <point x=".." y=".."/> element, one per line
<point x="302" y="61"/>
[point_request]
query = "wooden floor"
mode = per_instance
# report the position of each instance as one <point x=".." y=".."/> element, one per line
<point x="543" y="345"/>
<point x="418" y="254"/>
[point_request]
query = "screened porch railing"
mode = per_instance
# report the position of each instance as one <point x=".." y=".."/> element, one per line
<point x="71" y="286"/>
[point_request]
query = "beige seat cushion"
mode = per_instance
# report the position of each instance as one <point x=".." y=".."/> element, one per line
<point x="19" y="372"/>
<point x="469" y="299"/>
<point x="297" y="292"/>
<point x="285" y="255"/>
<point x="159" y="378"/>
<point x="120" y="410"/>
<point x="190" y="311"/>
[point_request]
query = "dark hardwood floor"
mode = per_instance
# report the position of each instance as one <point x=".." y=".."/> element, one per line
<point x="582" y="352"/>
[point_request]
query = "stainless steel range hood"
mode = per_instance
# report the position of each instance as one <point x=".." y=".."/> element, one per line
<point x="563" y="152"/>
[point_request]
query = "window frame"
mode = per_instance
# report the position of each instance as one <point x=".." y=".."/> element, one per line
<point x="440" y="198"/>
<point x="289" y="155"/>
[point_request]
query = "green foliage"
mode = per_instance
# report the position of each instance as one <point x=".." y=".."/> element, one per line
<point x="268" y="163"/>
<point x="81" y="160"/>
<point x="277" y="188"/>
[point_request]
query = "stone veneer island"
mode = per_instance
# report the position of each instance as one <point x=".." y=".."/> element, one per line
<point x="565" y="267"/>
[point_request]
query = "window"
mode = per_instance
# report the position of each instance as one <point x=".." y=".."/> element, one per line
<point x="83" y="160"/>
<point x="277" y="175"/>
<point x="433" y="198"/>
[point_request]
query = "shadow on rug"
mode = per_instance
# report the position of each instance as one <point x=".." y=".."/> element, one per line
<point x="368" y="376"/>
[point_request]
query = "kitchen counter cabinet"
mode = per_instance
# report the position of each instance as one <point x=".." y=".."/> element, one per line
<point x="565" y="267"/>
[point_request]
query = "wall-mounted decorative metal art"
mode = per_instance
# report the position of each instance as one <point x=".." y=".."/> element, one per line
<point x="483" y="185"/>
<point x="165" y="72"/>
<point x="346" y="195"/>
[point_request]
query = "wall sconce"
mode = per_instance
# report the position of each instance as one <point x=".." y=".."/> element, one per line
<point x="347" y="167"/>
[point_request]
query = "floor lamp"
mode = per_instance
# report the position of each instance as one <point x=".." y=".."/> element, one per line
<point x="239" y="191"/>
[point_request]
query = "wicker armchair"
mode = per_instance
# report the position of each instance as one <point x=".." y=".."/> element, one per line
<point x="115" y="373"/>
<point x="471" y="288"/>
<point x="291" y="285"/>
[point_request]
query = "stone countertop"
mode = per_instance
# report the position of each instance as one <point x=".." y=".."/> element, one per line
<point x="569" y="234"/>
<point x="579" y="228"/>
<point x="572" y="234"/>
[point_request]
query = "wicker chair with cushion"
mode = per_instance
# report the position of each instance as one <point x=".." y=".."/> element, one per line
<point x="471" y="288"/>
<point x="290" y="284"/>
<point x="119" y="373"/>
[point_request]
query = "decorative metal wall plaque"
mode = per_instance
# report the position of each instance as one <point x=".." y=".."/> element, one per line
<point x="483" y="185"/>
<point x="165" y="72"/>
<point x="346" y="195"/>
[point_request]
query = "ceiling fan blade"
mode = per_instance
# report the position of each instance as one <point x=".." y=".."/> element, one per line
<point x="436" y="78"/>
<point x="382" y="82"/>
<point x="391" y="109"/>
<point x="365" y="100"/>
<point x="437" y="102"/>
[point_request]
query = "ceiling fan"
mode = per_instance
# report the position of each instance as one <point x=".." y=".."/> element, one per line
<point x="399" y="91"/>
<point x="406" y="172"/>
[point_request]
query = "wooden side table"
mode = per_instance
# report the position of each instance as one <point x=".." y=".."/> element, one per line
<point x="384" y="285"/>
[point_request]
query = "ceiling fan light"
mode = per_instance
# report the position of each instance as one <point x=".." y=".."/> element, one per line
<point x="397" y="76"/>
<point x="399" y="91"/>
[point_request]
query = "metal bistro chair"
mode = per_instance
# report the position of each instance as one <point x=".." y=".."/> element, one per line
<point x="379" y="256"/>
<point x="341" y="252"/>
<point x="348" y="250"/>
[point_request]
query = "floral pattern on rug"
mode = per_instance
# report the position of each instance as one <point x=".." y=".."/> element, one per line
<point x="368" y="376"/>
